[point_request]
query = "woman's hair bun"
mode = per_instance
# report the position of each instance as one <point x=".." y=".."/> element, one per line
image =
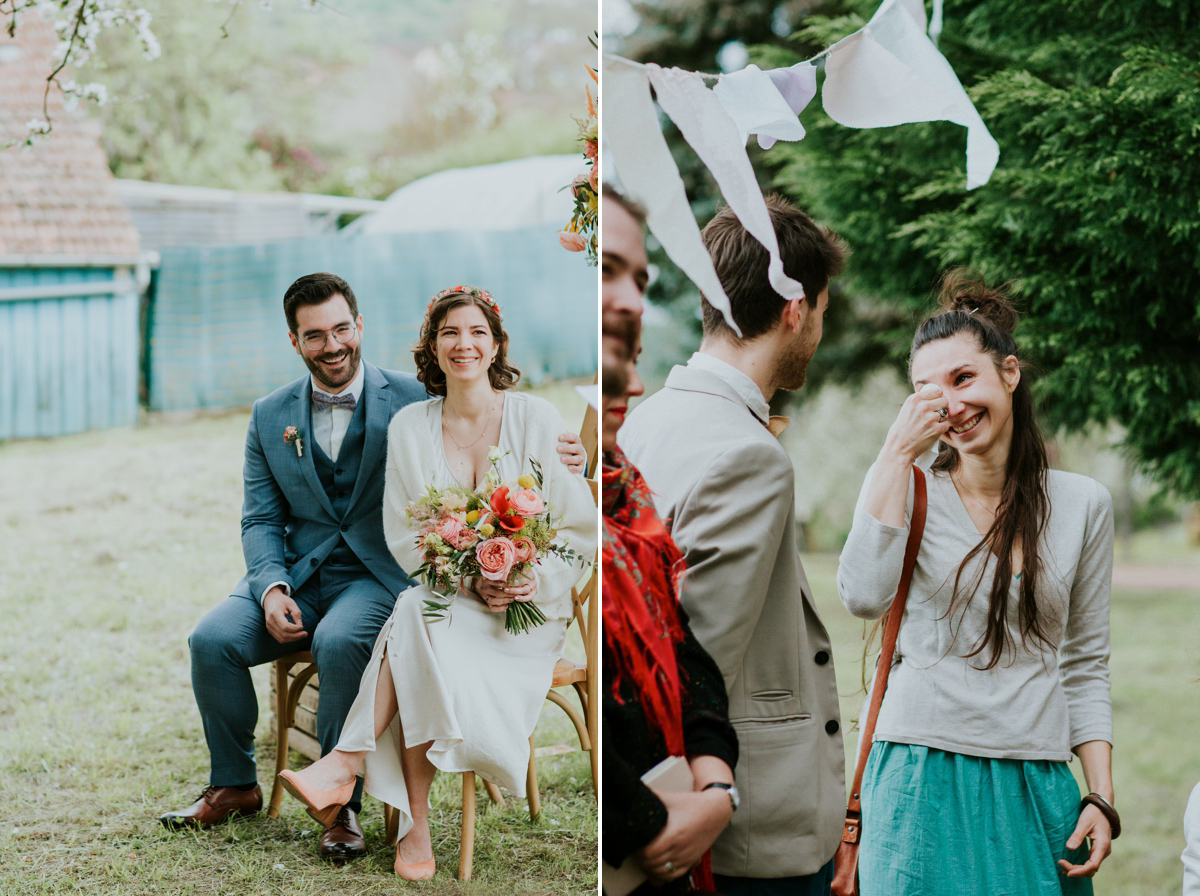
<point x="963" y="289"/>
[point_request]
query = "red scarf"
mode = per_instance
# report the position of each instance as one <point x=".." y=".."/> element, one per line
<point x="642" y="568"/>
<point x="641" y="612"/>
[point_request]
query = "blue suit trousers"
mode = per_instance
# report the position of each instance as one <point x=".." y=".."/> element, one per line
<point x="342" y="609"/>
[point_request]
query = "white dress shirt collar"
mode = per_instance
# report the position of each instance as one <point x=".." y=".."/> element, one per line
<point x="330" y="424"/>
<point x="745" y="387"/>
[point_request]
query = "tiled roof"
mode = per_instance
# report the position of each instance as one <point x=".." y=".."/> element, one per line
<point x="58" y="196"/>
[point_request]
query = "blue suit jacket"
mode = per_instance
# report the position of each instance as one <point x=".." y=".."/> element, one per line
<point x="289" y="526"/>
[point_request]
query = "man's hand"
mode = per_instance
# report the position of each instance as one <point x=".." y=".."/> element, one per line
<point x="277" y="607"/>
<point x="571" y="453"/>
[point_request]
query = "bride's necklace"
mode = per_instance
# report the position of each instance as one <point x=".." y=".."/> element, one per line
<point x="482" y="432"/>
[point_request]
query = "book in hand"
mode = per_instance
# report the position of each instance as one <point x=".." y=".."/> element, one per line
<point x="672" y="775"/>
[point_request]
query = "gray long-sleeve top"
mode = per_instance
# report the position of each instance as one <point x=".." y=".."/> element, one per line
<point x="1040" y="700"/>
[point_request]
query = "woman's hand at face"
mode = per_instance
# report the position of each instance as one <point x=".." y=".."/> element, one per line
<point x="498" y="595"/>
<point x="921" y="422"/>
<point x="694" y="819"/>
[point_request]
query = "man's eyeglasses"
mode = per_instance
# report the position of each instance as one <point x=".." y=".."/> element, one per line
<point x="314" y="342"/>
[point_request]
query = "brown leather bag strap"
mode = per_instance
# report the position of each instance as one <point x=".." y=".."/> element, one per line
<point x="915" y="529"/>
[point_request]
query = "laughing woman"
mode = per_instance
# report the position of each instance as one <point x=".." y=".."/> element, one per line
<point x="458" y="694"/>
<point x="1001" y="665"/>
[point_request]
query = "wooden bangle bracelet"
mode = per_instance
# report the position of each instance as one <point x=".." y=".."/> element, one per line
<point x="1106" y="809"/>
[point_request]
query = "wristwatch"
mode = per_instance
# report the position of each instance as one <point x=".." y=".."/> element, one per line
<point x="731" y="789"/>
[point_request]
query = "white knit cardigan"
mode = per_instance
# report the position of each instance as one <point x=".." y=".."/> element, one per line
<point x="532" y="426"/>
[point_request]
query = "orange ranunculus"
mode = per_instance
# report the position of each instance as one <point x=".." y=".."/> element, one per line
<point x="505" y="515"/>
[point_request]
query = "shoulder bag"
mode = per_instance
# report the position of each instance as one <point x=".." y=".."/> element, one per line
<point x="845" y="861"/>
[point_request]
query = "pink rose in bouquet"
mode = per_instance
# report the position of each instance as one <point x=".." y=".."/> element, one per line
<point x="496" y="558"/>
<point x="526" y="502"/>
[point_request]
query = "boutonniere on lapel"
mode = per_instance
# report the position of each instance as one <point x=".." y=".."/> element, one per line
<point x="292" y="437"/>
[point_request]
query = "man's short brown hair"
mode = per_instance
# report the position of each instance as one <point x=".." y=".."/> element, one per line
<point x="316" y="289"/>
<point x="812" y="254"/>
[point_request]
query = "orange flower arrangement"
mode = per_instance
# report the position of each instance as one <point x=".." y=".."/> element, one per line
<point x="580" y="234"/>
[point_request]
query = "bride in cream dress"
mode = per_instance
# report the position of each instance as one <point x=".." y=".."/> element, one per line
<point x="460" y="693"/>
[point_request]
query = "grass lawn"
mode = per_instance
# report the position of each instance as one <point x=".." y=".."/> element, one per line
<point x="1155" y="669"/>
<point x="116" y="544"/>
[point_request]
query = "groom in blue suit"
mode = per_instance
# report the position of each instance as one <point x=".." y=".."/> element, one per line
<point x="319" y="574"/>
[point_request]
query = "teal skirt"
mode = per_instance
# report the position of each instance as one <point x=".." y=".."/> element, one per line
<point x="945" y="824"/>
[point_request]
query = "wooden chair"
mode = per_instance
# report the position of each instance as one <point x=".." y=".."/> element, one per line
<point x="287" y="689"/>
<point x="296" y="690"/>
<point x="294" y="693"/>
<point x="580" y="676"/>
<point x="585" y="603"/>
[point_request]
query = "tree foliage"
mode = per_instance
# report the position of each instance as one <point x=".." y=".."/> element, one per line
<point x="358" y="97"/>
<point x="230" y="104"/>
<point x="1094" y="209"/>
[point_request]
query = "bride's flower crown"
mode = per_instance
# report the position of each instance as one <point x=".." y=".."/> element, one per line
<point x="466" y="291"/>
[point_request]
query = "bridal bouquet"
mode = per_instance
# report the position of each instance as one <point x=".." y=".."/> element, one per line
<point x="498" y="531"/>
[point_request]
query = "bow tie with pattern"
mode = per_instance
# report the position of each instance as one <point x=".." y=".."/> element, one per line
<point x="321" y="401"/>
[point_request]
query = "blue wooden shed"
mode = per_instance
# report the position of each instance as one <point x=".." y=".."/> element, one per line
<point x="70" y="262"/>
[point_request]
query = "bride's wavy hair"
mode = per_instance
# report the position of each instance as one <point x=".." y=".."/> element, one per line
<point x="987" y="315"/>
<point x="501" y="374"/>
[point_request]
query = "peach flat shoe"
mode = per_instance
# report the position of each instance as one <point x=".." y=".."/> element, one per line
<point x="414" y="870"/>
<point x="323" y="805"/>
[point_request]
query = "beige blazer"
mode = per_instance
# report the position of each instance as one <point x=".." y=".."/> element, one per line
<point x="725" y="487"/>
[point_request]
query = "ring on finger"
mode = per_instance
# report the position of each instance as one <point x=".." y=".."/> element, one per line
<point x="668" y="867"/>
<point x="942" y="412"/>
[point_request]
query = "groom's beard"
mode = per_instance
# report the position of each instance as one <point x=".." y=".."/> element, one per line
<point x="792" y="370"/>
<point x="329" y="381"/>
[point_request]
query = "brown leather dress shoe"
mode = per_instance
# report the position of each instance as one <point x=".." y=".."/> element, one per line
<point x="215" y="805"/>
<point x="343" y="839"/>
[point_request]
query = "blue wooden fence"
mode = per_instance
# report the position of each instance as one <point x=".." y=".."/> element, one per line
<point x="218" y="339"/>
<point x="70" y="358"/>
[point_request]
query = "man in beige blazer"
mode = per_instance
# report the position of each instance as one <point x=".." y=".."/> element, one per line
<point x="705" y="446"/>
